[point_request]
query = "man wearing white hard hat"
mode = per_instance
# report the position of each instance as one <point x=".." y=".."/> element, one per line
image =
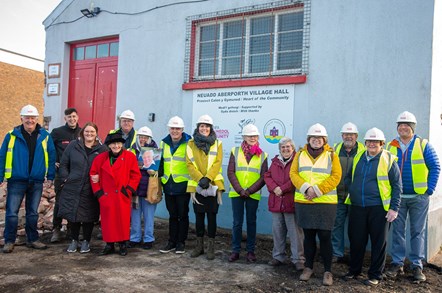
<point x="420" y="169"/>
<point x="141" y="208"/>
<point x="346" y="150"/>
<point x="27" y="159"/>
<point x="126" y="122"/>
<point x="174" y="176"/>
<point x="374" y="196"/>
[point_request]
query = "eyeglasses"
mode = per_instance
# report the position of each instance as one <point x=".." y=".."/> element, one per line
<point x="373" y="142"/>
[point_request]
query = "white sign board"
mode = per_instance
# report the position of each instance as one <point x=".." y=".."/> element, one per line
<point x="270" y="108"/>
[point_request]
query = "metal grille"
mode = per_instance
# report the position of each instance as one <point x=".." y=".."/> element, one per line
<point x="256" y="41"/>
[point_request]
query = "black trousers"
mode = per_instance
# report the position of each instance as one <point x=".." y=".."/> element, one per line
<point x="178" y="207"/>
<point x="211" y="224"/>
<point x="87" y="230"/>
<point x="56" y="220"/>
<point x="325" y="247"/>
<point x="365" y="222"/>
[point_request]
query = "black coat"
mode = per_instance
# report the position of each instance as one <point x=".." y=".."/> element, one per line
<point x="77" y="202"/>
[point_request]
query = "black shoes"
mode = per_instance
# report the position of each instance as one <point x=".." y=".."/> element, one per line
<point x="108" y="249"/>
<point x="168" y="248"/>
<point x="147" y="245"/>
<point x="180" y="248"/>
<point x="123" y="248"/>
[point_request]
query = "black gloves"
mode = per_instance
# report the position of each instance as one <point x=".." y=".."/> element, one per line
<point x="204" y="183"/>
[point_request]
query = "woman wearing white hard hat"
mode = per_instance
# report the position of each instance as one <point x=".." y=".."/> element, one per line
<point x="247" y="166"/>
<point x="204" y="157"/>
<point x="141" y="208"/>
<point x="316" y="172"/>
<point x="375" y="195"/>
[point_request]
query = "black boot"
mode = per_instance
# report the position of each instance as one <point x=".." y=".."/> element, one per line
<point x="123" y="248"/>
<point x="108" y="249"/>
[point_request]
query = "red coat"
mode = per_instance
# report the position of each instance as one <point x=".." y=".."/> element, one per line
<point x="114" y="191"/>
<point x="279" y="175"/>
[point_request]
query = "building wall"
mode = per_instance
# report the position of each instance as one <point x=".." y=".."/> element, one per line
<point x="434" y="242"/>
<point x="369" y="61"/>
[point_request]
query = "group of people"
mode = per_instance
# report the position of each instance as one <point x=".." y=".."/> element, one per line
<point x="312" y="191"/>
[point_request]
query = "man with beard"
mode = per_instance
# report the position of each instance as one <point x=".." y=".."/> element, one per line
<point x="346" y="150"/>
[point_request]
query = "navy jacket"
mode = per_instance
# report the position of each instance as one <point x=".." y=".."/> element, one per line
<point x="404" y="162"/>
<point x="364" y="189"/>
<point x="20" y="158"/>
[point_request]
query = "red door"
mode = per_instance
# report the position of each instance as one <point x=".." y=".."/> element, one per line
<point x="93" y="82"/>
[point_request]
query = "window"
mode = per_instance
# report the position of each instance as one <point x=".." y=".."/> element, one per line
<point x="103" y="49"/>
<point x="252" y="42"/>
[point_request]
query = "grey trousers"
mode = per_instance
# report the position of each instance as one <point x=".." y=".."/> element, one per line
<point x="283" y="224"/>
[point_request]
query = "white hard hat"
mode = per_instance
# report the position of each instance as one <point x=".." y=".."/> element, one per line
<point x="349" y="128"/>
<point x="250" y="130"/>
<point x="145" y="131"/>
<point x="128" y="114"/>
<point x="374" y="134"/>
<point x="176" y="122"/>
<point x="317" y="130"/>
<point x="29" y="110"/>
<point x="405" y="117"/>
<point x="206" y="119"/>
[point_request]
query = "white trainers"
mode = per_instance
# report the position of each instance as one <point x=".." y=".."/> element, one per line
<point x="73" y="246"/>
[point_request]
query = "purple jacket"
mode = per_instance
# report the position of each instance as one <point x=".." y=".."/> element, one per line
<point x="279" y="175"/>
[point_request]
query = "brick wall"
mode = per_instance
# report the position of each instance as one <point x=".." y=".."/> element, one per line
<point x="18" y="87"/>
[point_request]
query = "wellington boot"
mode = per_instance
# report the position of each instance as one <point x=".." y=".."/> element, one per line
<point x="199" y="248"/>
<point x="211" y="249"/>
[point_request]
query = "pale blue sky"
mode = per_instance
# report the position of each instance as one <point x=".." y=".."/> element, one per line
<point x="22" y="31"/>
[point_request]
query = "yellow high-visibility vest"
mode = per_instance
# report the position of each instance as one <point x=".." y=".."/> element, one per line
<point x="247" y="173"/>
<point x="314" y="173"/>
<point x="174" y="165"/>
<point x="385" y="162"/>
<point x="9" y="155"/>
<point x="419" y="170"/>
<point x="213" y="153"/>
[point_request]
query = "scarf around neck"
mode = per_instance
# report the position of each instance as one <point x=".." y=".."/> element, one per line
<point x="204" y="142"/>
<point x="314" y="152"/>
<point x="250" y="150"/>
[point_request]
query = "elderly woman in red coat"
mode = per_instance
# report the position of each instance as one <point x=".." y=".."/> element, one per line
<point x="118" y="178"/>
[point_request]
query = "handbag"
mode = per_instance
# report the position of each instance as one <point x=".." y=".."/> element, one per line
<point x="154" y="190"/>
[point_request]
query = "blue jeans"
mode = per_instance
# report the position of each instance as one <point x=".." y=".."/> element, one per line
<point x="15" y="193"/>
<point x="251" y="206"/>
<point x="338" y="233"/>
<point x="417" y="209"/>
<point x="147" y="211"/>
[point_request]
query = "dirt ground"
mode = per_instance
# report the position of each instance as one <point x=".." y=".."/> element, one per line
<point x="54" y="270"/>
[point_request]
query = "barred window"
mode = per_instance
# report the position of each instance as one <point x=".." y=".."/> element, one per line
<point x="259" y="41"/>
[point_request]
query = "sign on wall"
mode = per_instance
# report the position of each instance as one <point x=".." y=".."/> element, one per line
<point x="270" y="108"/>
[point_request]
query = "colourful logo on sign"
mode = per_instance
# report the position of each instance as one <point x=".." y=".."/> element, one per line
<point x="274" y="130"/>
